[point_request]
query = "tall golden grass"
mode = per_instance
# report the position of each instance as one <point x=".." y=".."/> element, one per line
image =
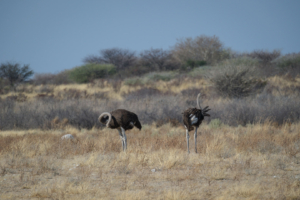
<point x="116" y="90"/>
<point x="259" y="161"/>
<point x="112" y="90"/>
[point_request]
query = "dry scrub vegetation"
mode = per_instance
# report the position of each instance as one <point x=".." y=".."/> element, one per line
<point x="248" y="149"/>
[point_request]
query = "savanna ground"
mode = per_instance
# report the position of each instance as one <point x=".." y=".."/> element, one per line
<point x="246" y="150"/>
<point x="254" y="162"/>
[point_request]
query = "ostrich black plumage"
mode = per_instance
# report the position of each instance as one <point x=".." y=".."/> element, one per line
<point x="122" y="120"/>
<point x="193" y="117"/>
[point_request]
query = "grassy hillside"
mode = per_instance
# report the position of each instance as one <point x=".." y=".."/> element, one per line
<point x="153" y="99"/>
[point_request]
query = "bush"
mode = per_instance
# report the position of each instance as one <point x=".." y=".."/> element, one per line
<point x="133" y="81"/>
<point x="43" y="79"/>
<point x="240" y="61"/>
<point x="160" y="76"/>
<point x="4" y="86"/>
<point x="54" y="79"/>
<point x="262" y="69"/>
<point x="131" y="71"/>
<point x="89" y="72"/>
<point x="263" y="108"/>
<point x="201" y="48"/>
<point x="150" y="77"/>
<point x="39" y="113"/>
<point x="62" y="78"/>
<point x="195" y="63"/>
<point x="289" y="64"/>
<point x="199" y="71"/>
<point x="289" y="60"/>
<point x="157" y="60"/>
<point x="151" y="106"/>
<point x="236" y="81"/>
<point x="264" y="56"/>
<point x="121" y="58"/>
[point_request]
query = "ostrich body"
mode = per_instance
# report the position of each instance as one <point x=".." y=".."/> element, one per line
<point x="192" y="118"/>
<point x="122" y="120"/>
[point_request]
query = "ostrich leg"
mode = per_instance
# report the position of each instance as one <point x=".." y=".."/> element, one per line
<point x="195" y="137"/>
<point x="124" y="139"/>
<point x="121" y="136"/>
<point x="187" y="140"/>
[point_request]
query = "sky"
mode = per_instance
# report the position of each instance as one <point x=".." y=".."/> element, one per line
<point x="54" y="35"/>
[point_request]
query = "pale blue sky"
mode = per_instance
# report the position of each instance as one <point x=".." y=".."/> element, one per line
<point x="54" y="35"/>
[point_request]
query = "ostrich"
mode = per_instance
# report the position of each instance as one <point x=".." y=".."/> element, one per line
<point x="192" y="117"/>
<point x="122" y="120"/>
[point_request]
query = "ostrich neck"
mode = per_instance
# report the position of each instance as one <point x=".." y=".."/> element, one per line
<point x="109" y="120"/>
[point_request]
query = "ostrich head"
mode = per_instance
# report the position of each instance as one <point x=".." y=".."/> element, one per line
<point x="204" y="110"/>
<point x="105" y="118"/>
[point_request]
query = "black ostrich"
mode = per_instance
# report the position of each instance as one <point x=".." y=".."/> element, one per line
<point x="122" y="120"/>
<point x="193" y="117"/>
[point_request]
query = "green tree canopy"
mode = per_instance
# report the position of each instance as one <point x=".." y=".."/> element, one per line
<point x="88" y="72"/>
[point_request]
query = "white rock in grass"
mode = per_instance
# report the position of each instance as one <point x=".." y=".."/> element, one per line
<point x="68" y="137"/>
<point x="153" y="170"/>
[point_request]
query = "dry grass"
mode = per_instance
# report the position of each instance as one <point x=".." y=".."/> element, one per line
<point x="255" y="162"/>
<point x="103" y="89"/>
<point x="117" y="90"/>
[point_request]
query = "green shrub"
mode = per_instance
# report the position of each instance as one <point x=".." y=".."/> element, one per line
<point x="133" y="81"/>
<point x="195" y="63"/>
<point x="199" y="71"/>
<point x="160" y="76"/>
<point x="91" y="71"/>
<point x="244" y="61"/>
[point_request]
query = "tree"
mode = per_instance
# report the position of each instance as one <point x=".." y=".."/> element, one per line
<point x="201" y="49"/>
<point x="121" y="58"/>
<point x="14" y="73"/>
<point x="157" y="59"/>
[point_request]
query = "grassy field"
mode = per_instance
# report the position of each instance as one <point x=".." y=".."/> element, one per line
<point x="248" y="149"/>
<point x="254" y="162"/>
